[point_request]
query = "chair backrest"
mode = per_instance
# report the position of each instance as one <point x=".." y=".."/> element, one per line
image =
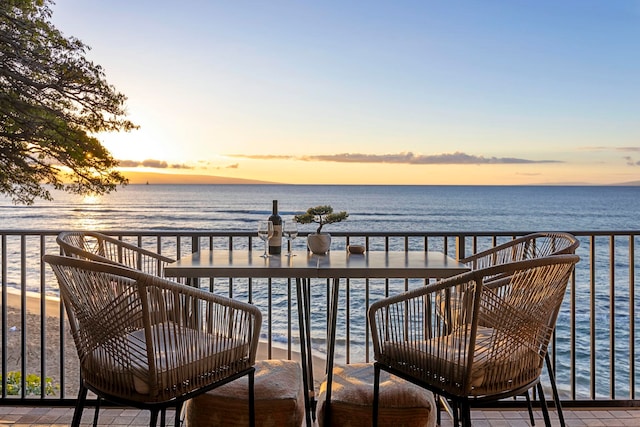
<point x="494" y="341"/>
<point x="144" y="338"/>
<point x="535" y="245"/>
<point x="102" y="248"/>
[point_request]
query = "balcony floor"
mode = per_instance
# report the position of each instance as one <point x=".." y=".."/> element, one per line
<point x="61" y="417"/>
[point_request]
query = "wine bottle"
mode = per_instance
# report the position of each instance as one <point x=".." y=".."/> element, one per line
<point x="275" y="242"/>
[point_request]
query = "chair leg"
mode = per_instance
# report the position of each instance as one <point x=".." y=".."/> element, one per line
<point x="95" y="413"/>
<point x="178" y="419"/>
<point x="153" y="419"/>
<point x="543" y="405"/>
<point x="465" y="414"/>
<point x="530" y="407"/>
<point x="455" y="410"/>
<point x="77" y="413"/>
<point x="376" y="394"/>
<point x="554" y="388"/>
<point x="163" y="417"/>
<point x="252" y="400"/>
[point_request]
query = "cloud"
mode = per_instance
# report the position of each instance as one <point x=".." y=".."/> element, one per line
<point x="630" y="161"/>
<point x="180" y="166"/>
<point x="402" y="158"/>
<point x="159" y="164"/>
<point x="152" y="163"/>
<point x="128" y="163"/>
<point x="149" y="163"/>
<point x="233" y="166"/>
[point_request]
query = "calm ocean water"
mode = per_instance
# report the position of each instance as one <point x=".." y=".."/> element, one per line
<point x="384" y="208"/>
<point x="393" y="208"/>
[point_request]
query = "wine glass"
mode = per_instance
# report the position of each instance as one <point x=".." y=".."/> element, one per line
<point x="290" y="232"/>
<point x="265" y="232"/>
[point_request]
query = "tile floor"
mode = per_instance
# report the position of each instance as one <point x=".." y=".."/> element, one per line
<point x="61" y="417"/>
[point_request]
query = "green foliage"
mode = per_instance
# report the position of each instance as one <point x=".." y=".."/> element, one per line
<point x="321" y="215"/>
<point x="33" y="384"/>
<point x="53" y="100"/>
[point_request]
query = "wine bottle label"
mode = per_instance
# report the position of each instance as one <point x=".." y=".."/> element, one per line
<point x="275" y="242"/>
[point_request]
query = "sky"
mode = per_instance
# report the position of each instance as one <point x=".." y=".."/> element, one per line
<point x="419" y="92"/>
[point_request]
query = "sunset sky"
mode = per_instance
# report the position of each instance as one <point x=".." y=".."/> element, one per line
<point x="372" y="92"/>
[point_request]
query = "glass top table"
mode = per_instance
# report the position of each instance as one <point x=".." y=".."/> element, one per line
<point x="371" y="264"/>
<point x="303" y="267"/>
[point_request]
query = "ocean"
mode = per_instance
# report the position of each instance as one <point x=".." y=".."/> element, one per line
<point x="385" y="208"/>
<point x="391" y="209"/>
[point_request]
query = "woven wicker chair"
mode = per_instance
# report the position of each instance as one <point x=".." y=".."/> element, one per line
<point x="530" y="246"/>
<point x="491" y="347"/>
<point x="134" y="352"/>
<point x="102" y="248"/>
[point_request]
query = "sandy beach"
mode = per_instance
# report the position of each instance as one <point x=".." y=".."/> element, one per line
<point x="52" y="364"/>
<point x="34" y="333"/>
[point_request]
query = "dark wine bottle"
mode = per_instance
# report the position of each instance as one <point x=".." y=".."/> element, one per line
<point x="275" y="242"/>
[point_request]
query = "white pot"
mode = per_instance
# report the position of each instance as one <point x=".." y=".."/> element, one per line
<point x="319" y="243"/>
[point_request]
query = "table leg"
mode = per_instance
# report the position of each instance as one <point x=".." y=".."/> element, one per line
<point x="331" y="345"/>
<point x="302" y="296"/>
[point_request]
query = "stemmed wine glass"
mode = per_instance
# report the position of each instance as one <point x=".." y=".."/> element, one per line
<point x="265" y="232"/>
<point x="290" y="232"/>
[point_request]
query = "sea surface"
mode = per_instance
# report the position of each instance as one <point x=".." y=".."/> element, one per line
<point x="392" y="208"/>
<point x="386" y="208"/>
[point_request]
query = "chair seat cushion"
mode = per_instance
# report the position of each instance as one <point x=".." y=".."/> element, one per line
<point x="444" y="359"/>
<point x="401" y="403"/>
<point x="175" y="366"/>
<point x="279" y="399"/>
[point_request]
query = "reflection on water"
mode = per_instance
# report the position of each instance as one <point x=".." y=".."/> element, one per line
<point x="89" y="212"/>
<point x="91" y="199"/>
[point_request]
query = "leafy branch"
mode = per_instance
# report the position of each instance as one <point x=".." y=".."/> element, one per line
<point x="321" y="215"/>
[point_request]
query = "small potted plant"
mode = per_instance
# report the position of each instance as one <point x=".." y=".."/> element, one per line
<point x="320" y="242"/>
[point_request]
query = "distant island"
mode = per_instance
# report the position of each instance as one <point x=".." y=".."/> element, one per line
<point x="167" y="178"/>
<point x="151" y="178"/>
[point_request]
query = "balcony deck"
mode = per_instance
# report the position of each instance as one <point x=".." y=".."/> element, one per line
<point x="61" y="417"/>
<point x="595" y="350"/>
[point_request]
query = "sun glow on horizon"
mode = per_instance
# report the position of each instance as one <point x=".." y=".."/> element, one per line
<point x="91" y="199"/>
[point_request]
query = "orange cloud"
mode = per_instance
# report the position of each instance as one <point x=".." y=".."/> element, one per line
<point x="152" y="163"/>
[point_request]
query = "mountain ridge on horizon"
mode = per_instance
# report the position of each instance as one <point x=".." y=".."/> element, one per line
<point x="176" y="179"/>
<point x="169" y="178"/>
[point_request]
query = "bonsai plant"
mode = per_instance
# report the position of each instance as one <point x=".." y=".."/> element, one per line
<point x="319" y="242"/>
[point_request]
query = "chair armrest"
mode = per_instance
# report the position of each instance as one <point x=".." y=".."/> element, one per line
<point x="219" y="319"/>
<point x="196" y="336"/>
<point x="530" y="246"/>
<point x="102" y="248"/>
<point x="411" y="318"/>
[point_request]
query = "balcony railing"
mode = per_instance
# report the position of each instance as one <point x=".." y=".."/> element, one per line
<point x="594" y="348"/>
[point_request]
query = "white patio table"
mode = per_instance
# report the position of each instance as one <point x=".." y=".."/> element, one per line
<point x="305" y="266"/>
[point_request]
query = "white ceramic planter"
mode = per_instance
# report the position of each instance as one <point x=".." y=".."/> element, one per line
<point x="319" y="243"/>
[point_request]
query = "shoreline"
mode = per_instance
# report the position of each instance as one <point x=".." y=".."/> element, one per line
<point x="33" y="302"/>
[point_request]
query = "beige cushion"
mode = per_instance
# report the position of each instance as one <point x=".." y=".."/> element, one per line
<point x="401" y="403"/>
<point x="279" y="398"/>
<point x="198" y="354"/>
<point x="497" y="361"/>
